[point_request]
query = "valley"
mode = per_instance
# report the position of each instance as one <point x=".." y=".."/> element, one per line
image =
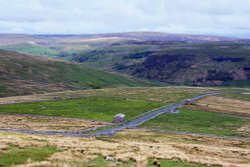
<point x="185" y="99"/>
<point x="124" y="83"/>
<point x="170" y="58"/>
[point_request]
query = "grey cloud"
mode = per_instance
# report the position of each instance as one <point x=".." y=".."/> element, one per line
<point x="217" y="17"/>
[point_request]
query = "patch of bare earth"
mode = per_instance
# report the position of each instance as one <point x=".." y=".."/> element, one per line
<point x="222" y="104"/>
<point x="138" y="146"/>
<point x="44" y="123"/>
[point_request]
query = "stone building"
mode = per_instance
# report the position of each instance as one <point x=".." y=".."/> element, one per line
<point x="119" y="118"/>
<point x="187" y="102"/>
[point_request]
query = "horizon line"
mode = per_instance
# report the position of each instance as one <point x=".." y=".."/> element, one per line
<point x="124" y="32"/>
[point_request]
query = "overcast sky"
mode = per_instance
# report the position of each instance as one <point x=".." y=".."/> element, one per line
<point x="212" y="17"/>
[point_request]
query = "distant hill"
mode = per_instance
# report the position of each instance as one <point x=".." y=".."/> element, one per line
<point x="196" y="64"/>
<point x="178" y="59"/>
<point x="24" y="74"/>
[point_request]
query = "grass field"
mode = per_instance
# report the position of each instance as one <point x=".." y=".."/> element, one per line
<point x="128" y="148"/>
<point x="44" y="123"/>
<point x="96" y="108"/>
<point x="15" y="155"/>
<point x="32" y="50"/>
<point x="39" y="154"/>
<point x="227" y="104"/>
<point x="168" y="94"/>
<point x="103" y="104"/>
<point x="238" y="96"/>
<point x="36" y="154"/>
<point x="171" y="163"/>
<point x="200" y="122"/>
<point x="104" y="108"/>
<point x="100" y="161"/>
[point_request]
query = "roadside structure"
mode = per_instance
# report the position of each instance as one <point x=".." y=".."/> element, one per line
<point x="187" y="102"/>
<point x="119" y="118"/>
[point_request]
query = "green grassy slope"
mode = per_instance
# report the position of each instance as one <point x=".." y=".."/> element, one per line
<point x="31" y="49"/>
<point x="200" y="122"/>
<point x="103" y="104"/>
<point x="23" y="74"/>
<point x="15" y="155"/>
<point x="96" y="108"/>
<point x="172" y="163"/>
<point x="245" y="97"/>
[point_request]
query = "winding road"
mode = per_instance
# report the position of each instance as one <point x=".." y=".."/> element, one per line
<point x="112" y="130"/>
<point x="147" y="117"/>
